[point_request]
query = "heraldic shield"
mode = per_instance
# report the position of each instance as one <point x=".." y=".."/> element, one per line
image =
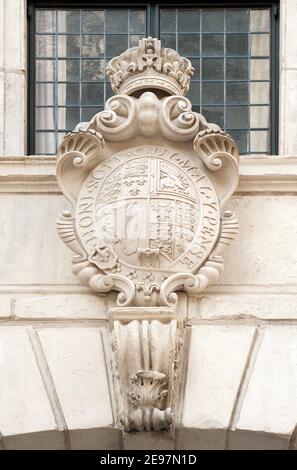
<point x="148" y="179"/>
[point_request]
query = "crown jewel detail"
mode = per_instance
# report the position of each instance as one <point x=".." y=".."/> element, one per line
<point x="150" y="66"/>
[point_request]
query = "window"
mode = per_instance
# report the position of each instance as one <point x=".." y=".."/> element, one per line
<point x="72" y="49"/>
<point x="232" y="50"/>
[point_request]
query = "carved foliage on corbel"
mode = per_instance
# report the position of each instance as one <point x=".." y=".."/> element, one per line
<point x="148" y="389"/>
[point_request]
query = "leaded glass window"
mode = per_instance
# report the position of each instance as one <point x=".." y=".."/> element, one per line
<point x="231" y="49"/>
<point x="72" y="49"/>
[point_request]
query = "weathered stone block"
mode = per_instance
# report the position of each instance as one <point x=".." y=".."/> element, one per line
<point x="31" y="252"/>
<point x="270" y="403"/>
<point x="76" y="361"/>
<point x="267" y="237"/>
<point x="60" y="306"/>
<point x="24" y="404"/>
<point x="5" y="306"/>
<point x="217" y="359"/>
<point x="237" y="306"/>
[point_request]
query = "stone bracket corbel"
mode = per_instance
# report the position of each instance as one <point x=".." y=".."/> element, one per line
<point x="147" y="355"/>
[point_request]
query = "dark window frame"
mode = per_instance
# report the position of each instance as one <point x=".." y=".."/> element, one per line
<point x="153" y="29"/>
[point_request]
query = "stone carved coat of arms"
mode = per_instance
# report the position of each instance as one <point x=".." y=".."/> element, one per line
<point x="148" y="178"/>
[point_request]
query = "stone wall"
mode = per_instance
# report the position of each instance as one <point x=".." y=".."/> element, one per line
<point x="54" y="366"/>
<point x="288" y="77"/>
<point x="13" y="73"/>
<point x="242" y="378"/>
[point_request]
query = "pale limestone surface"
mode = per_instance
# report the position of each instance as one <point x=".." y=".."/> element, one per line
<point x="24" y="404"/>
<point x="5" y="306"/>
<point x="268" y="306"/>
<point x="270" y="401"/>
<point x="63" y="372"/>
<point x="25" y="254"/>
<point x="288" y="77"/>
<point x="258" y="288"/>
<point x="266" y="245"/>
<point x="79" y="375"/>
<point x="13" y="77"/>
<point x="60" y="306"/>
<point x="217" y="361"/>
<point x="76" y="362"/>
<point x="260" y="263"/>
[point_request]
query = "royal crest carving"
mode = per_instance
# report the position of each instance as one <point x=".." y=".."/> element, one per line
<point x="150" y="211"/>
<point x="148" y="179"/>
<point x="147" y="214"/>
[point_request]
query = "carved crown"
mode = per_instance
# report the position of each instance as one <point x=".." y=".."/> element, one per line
<point x="149" y="66"/>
